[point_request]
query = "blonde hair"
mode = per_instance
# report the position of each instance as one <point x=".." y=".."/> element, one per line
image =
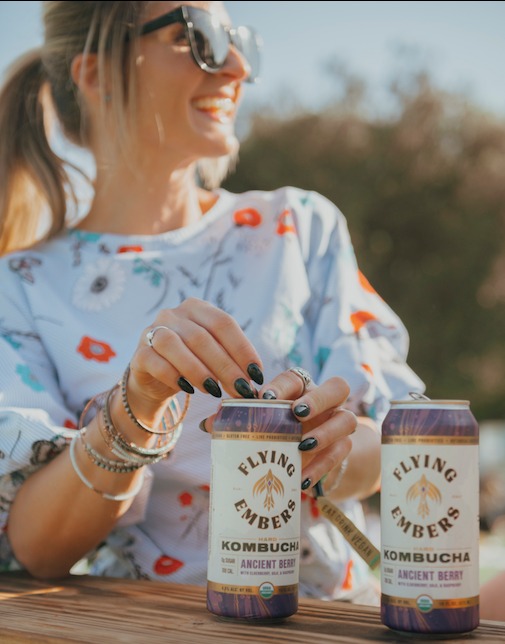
<point x="34" y="180"/>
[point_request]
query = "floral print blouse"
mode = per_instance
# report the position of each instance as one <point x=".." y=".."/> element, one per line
<point x="71" y="314"/>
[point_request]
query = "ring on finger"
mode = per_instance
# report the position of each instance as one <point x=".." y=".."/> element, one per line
<point x="151" y="333"/>
<point x="304" y="376"/>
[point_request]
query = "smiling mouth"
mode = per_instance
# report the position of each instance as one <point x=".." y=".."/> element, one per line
<point x="215" y="105"/>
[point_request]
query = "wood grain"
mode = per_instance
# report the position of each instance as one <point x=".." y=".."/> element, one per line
<point x="101" y="610"/>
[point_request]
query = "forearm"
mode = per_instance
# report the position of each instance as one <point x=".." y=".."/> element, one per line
<point x="361" y="477"/>
<point x="55" y="518"/>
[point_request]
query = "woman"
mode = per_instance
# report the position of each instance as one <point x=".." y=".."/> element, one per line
<point x="161" y="298"/>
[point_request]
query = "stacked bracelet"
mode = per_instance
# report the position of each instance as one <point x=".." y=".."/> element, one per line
<point x="130" y="457"/>
<point x="111" y="497"/>
<point x="172" y="408"/>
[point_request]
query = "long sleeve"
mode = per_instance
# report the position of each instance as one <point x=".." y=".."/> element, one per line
<point x="355" y="333"/>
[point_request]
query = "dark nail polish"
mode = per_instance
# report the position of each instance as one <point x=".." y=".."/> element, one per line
<point x="242" y="387"/>
<point x="308" y="443"/>
<point x="306" y="484"/>
<point x="255" y="372"/>
<point x="318" y="489"/>
<point x="269" y="395"/>
<point x="185" y="385"/>
<point x="212" y="387"/>
<point x="302" y="410"/>
<point x="202" y="425"/>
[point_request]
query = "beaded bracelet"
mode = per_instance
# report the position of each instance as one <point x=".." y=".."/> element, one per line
<point x="132" y="448"/>
<point x="88" y="484"/>
<point x="120" y="467"/>
<point x="172" y="408"/>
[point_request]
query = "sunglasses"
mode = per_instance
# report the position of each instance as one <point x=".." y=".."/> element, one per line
<point x="210" y="40"/>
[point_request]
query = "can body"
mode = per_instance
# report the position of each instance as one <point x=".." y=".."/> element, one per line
<point x="254" y="519"/>
<point x="430" y="517"/>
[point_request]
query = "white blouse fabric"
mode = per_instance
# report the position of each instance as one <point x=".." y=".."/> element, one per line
<point x="72" y="311"/>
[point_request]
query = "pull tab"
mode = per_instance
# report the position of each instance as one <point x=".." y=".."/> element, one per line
<point x="417" y="396"/>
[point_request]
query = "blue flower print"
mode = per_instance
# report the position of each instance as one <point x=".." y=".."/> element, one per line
<point x="28" y="378"/>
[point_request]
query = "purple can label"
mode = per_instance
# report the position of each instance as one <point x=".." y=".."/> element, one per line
<point x="430" y="517"/>
<point x="254" y="529"/>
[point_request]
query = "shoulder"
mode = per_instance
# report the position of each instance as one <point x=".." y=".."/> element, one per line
<point x="19" y="268"/>
<point x="305" y="205"/>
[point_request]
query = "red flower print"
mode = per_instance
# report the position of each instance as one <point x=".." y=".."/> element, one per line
<point x="247" y="217"/>
<point x="95" y="350"/>
<point x="205" y="487"/>
<point x="69" y="424"/>
<point x="314" y="509"/>
<point x="285" y="223"/>
<point x="130" y="249"/>
<point x="166" y="565"/>
<point x="185" y="498"/>
<point x="360" y="318"/>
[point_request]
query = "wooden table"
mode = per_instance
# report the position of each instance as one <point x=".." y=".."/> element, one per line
<point x="97" y="610"/>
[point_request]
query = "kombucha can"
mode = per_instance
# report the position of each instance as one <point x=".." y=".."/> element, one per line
<point x="430" y="517"/>
<point x="254" y="522"/>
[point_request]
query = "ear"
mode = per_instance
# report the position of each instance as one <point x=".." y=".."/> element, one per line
<point x="84" y="71"/>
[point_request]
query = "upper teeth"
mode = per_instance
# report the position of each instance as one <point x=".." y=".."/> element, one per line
<point x="214" y="103"/>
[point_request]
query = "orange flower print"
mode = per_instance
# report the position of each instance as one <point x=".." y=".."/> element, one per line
<point x="365" y="283"/>
<point x="285" y="223"/>
<point x="69" y="424"/>
<point x="166" y="565"/>
<point x="247" y="217"/>
<point x="347" y="585"/>
<point x="368" y="368"/>
<point x="95" y="350"/>
<point x="360" y="318"/>
<point x="130" y="249"/>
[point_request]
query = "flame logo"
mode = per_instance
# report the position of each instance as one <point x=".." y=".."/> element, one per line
<point x="423" y="490"/>
<point x="268" y="484"/>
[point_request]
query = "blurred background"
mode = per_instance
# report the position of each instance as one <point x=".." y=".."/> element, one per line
<point x="396" y="112"/>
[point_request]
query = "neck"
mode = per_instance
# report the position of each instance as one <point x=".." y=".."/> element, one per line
<point x="133" y="204"/>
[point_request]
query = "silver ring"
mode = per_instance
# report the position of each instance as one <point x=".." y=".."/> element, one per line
<point x="150" y="334"/>
<point x="304" y="376"/>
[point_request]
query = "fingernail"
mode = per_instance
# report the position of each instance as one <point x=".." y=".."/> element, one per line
<point x="306" y="484"/>
<point x="308" y="443"/>
<point x="185" y="385"/>
<point x="242" y="387"/>
<point x="255" y="372"/>
<point x="302" y="410"/>
<point x="212" y="387"/>
<point x="202" y="425"/>
<point x="318" y="489"/>
<point x="269" y="395"/>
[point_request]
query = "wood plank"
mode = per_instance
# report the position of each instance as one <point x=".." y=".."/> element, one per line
<point x="95" y="609"/>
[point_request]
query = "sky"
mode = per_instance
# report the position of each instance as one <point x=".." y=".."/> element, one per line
<point x="460" y="43"/>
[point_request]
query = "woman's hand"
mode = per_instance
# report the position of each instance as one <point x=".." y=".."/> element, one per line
<point x="193" y="346"/>
<point x="327" y="426"/>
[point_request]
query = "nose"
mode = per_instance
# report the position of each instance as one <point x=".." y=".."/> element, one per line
<point x="236" y="64"/>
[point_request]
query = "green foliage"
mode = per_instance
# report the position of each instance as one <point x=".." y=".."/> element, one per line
<point x="423" y="190"/>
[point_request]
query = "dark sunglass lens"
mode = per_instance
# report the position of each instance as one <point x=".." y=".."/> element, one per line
<point x="211" y="39"/>
<point x="248" y="43"/>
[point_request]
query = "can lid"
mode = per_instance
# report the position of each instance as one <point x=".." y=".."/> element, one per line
<point x="420" y="399"/>
<point x="256" y="402"/>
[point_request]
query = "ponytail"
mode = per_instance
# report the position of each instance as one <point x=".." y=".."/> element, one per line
<point x="34" y="184"/>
